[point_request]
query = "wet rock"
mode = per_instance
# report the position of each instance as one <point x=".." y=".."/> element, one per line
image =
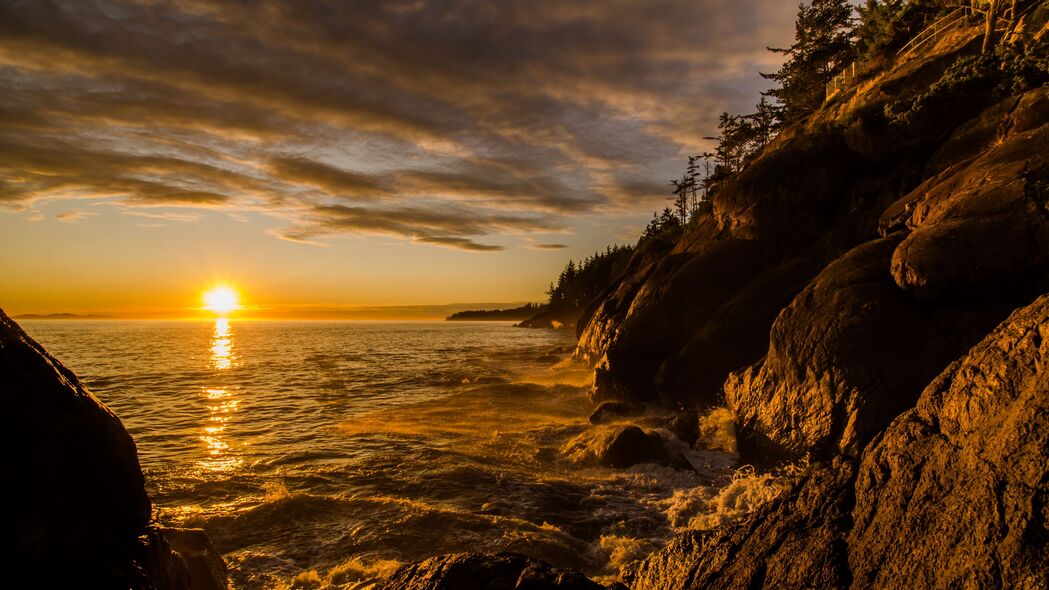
<point x="684" y="424"/>
<point x="502" y="571"/>
<point x="612" y="411"/>
<point x="548" y="359"/>
<point x="617" y="446"/>
<point x="848" y="355"/>
<point x="952" y="495"/>
<point x="79" y="509"/>
<point x="795" y="541"/>
<point x="207" y="570"/>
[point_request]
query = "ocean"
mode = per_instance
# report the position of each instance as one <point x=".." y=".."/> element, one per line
<point x="324" y="454"/>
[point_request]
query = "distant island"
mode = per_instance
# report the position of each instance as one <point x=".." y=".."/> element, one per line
<point x="62" y="316"/>
<point x="515" y="314"/>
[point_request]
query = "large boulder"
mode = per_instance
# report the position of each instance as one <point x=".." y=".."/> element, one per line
<point x="80" y="516"/>
<point x="617" y="446"/>
<point x="980" y="228"/>
<point x="502" y="571"/>
<point x="848" y="355"/>
<point x="734" y="337"/>
<point x="676" y="300"/>
<point x="964" y="476"/>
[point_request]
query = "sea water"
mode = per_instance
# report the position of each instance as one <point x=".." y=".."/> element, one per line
<point x="324" y="454"/>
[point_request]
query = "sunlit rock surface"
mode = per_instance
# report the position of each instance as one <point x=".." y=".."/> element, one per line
<point x="953" y="495"/>
<point x="79" y="513"/>
<point x="964" y="475"/>
<point x="837" y="370"/>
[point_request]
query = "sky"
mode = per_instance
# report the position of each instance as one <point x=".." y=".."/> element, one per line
<point x="343" y="154"/>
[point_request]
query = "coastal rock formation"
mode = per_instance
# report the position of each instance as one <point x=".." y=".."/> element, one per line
<point x="837" y="371"/>
<point x="860" y="294"/>
<point x="954" y="494"/>
<point x="964" y="473"/>
<point x="80" y="516"/>
<point x="502" y="571"/>
<point x="796" y="541"/>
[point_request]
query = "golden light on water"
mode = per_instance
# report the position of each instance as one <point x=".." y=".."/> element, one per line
<point x="221" y="404"/>
<point x="221" y="300"/>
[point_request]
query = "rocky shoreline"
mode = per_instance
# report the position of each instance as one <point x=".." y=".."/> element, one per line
<point x="867" y="296"/>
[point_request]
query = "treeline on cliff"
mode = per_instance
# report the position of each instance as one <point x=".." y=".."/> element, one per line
<point x="578" y="285"/>
<point x="511" y="314"/>
<point x="836" y="43"/>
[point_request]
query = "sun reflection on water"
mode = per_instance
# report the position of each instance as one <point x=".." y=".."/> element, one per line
<point x="220" y="402"/>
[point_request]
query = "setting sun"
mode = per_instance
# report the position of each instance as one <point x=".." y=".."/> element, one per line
<point x="221" y="300"/>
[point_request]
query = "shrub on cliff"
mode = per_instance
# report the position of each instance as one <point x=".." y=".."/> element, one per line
<point x="975" y="81"/>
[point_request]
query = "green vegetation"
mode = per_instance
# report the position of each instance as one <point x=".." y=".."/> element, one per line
<point x="823" y="46"/>
<point x="975" y="81"/>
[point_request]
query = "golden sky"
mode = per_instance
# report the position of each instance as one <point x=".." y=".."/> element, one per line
<point x="334" y="154"/>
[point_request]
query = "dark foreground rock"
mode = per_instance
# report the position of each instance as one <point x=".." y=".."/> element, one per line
<point x="953" y="494"/>
<point x="502" y="571"/>
<point x="618" y="446"/>
<point x="79" y="516"/>
<point x="612" y="411"/>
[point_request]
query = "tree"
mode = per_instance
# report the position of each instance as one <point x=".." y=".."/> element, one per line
<point x="822" y="47"/>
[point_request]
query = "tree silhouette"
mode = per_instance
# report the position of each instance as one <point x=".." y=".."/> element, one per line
<point x="822" y="47"/>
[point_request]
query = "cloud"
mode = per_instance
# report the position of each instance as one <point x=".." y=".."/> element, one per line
<point x="438" y="122"/>
<point x="460" y="243"/>
<point x="547" y="246"/>
<point x="73" y="216"/>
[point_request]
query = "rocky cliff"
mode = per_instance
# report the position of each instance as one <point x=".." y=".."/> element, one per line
<point x="868" y="294"/>
<point x="79" y="513"/>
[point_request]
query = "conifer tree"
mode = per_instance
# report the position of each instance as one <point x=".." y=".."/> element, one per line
<point x="822" y="47"/>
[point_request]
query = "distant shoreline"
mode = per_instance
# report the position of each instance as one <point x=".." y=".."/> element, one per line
<point x="64" y="316"/>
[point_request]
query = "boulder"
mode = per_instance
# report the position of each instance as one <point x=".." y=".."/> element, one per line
<point x="207" y="570"/>
<point x="617" y="446"/>
<point x="980" y="230"/>
<point x="964" y="474"/>
<point x="502" y="571"/>
<point x="848" y="355"/>
<point x="735" y="336"/>
<point x="676" y="300"/>
<point x="612" y="411"/>
<point x="80" y="516"/>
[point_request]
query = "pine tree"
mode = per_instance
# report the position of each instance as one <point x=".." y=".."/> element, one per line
<point x="822" y="47"/>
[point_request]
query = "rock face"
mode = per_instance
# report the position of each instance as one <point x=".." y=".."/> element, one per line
<point x="953" y="495"/>
<point x="502" y="571"/>
<point x="965" y="473"/>
<point x="80" y="516"/>
<point x="797" y="541"/>
<point x="837" y="371"/>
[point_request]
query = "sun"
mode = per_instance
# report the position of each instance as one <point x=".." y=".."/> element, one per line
<point x="221" y="300"/>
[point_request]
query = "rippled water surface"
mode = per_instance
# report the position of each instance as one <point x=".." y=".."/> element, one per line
<point x="325" y="453"/>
